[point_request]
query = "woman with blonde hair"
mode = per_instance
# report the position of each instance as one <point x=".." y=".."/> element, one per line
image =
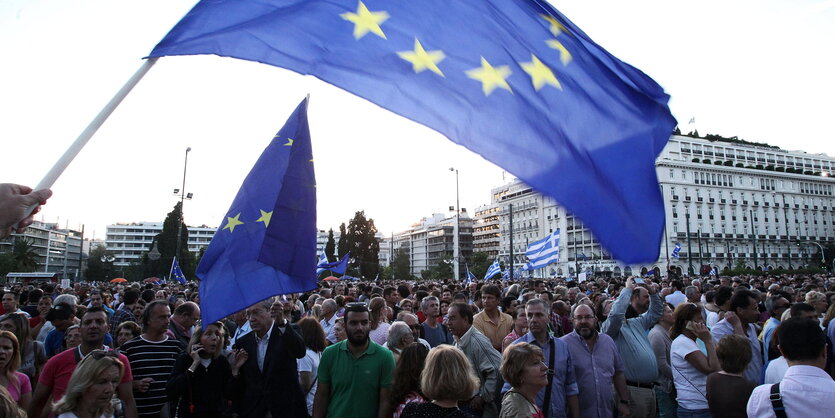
<point x="91" y="387"/>
<point x="523" y="367"/>
<point x="8" y="407"/>
<point x="447" y="378"/>
<point x="378" y="324"/>
<point x="15" y="382"/>
<point x="32" y="353"/>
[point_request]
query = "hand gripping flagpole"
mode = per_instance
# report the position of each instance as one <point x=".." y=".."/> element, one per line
<point x="91" y="129"/>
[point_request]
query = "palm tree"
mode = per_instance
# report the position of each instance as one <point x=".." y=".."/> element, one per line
<point x="24" y="255"/>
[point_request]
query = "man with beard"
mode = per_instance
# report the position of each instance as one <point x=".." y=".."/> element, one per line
<point x="354" y="375"/>
<point x="55" y="377"/>
<point x="597" y="365"/>
<point x="634" y="312"/>
<point x="561" y="381"/>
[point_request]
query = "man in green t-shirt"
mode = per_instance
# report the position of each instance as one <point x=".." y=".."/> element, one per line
<point x="354" y="375"/>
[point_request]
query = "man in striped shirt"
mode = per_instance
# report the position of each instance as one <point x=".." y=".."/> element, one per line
<point x="152" y="356"/>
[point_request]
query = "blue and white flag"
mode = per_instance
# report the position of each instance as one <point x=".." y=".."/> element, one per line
<point x="335" y="267"/>
<point x="176" y="273"/>
<point x="493" y="270"/>
<point x="267" y="240"/>
<point x="676" y="250"/>
<point x="513" y="81"/>
<point x="545" y="251"/>
<point x="470" y="276"/>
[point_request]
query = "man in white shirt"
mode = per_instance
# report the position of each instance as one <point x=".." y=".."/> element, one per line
<point x="676" y="298"/>
<point x="329" y="319"/>
<point x="806" y="390"/>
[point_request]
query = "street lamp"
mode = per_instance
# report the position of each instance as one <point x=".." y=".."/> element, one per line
<point x="456" y="239"/>
<point x="823" y="258"/>
<point x="108" y="260"/>
<point x="182" y="198"/>
<point x="786" y="224"/>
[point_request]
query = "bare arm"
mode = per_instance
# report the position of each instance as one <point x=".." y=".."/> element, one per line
<point x="321" y="400"/>
<point x="705" y="364"/>
<point x="305" y="381"/>
<point x="39" y="398"/>
<point x="383" y="411"/>
<point x="125" y="393"/>
<point x="574" y="406"/>
<point x="25" y="400"/>
<point x="620" y="386"/>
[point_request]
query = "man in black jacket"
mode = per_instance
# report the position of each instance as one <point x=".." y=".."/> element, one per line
<point x="269" y="378"/>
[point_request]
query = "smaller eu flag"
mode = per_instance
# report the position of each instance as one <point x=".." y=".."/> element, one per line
<point x="268" y="236"/>
<point x="493" y="270"/>
<point x="176" y="272"/>
<point x="335" y="267"/>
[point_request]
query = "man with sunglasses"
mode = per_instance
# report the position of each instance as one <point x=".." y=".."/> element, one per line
<point x="56" y="374"/>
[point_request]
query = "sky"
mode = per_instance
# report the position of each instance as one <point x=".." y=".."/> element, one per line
<point x="760" y="70"/>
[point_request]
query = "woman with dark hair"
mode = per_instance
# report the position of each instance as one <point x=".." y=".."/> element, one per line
<point x="201" y="379"/>
<point x="379" y="326"/>
<point x="509" y="304"/>
<point x="690" y="365"/>
<point x="405" y="388"/>
<point x="314" y="342"/>
<point x="125" y="332"/>
<point x="520" y="326"/>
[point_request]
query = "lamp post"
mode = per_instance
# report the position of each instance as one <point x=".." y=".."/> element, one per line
<point x="108" y="260"/>
<point x="689" y="250"/>
<point x="823" y="257"/>
<point x="456" y="239"/>
<point x="182" y="199"/>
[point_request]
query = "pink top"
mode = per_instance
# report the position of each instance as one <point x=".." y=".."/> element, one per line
<point x="23" y="386"/>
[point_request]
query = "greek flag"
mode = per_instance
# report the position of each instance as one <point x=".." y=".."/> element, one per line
<point x="545" y="251"/>
<point x="676" y="250"/>
<point x="493" y="270"/>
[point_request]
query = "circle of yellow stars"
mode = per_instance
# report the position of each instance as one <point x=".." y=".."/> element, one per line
<point x="491" y="77"/>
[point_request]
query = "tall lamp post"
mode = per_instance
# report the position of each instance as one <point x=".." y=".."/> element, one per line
<point x="182" y="199"/>
<point x="786" y="225"/>
<point x="456" y="239"/>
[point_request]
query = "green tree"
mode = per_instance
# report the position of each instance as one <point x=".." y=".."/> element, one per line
<point x="167" y="246"/>
<point x="342" y="247"/>
<point x="401" y="264"/>
<point x="479" y="264"/>
<point x="362" y="242"/>
<point x="440" y="271"/>
<point x="330" y="247"/>
<point x="24" y="255"/>
<point x="7" y="264"/>
<point x="96" y="269"/>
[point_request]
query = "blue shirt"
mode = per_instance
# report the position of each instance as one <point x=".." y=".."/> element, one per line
<point x="754" y="371"/>
<point x="565" y="382"/>
<point x="595" y="369"/>
<point x="768" y="332"/>
<point x="632" y="337"/>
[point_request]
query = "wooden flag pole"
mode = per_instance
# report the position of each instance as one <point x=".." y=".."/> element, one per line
<point x="91" y="129"/>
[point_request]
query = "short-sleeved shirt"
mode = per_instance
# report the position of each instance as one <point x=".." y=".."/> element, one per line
<point x="355" y="382"/>
<point x="595" y="371"/>
<point x="22" y="387"/>
<point x="495" y="331"/>
<point x="154" y="359"/>
<point x="310" y="363"/>
<point x="58" y="370"/>
<point x="691" y="384"/>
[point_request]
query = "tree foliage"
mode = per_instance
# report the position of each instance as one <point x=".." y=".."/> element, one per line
<point x="24" y="255"/>
<point x="441" y="271"/>
<point x="167" y="245"/>
<point x="479" y="264"/>
<point x="401" y="264"/>
<point x="96" y="269"/>
<point x="342" y="247"/>
<point x="330" y="247"/>
<point x="360" y="239"/>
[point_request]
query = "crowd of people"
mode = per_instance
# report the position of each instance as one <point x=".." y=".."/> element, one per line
<point x="757" y="346"/>
<point x="607" y="347"/>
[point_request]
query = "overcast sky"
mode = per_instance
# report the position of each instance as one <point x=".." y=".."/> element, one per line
<point x="761" y="70"/>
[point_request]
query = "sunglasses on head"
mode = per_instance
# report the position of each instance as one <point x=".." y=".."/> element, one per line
<point x="98" y="354"/>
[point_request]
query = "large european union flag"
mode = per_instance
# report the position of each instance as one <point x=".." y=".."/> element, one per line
<point x="512" y="80"/>
<point x="266" y="244"/>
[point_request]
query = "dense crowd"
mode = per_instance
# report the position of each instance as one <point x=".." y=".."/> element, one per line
<point x="607" y="347"/>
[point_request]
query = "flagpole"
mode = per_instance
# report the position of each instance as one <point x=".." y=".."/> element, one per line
<point x="91" y="129"/>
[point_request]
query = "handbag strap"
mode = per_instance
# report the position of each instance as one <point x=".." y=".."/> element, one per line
<point x="777" y="401"/>
<point x="688" y="381"/>
<point x="546" y="405"/>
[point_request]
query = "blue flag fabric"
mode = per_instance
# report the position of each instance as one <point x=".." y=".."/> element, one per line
<point x="267" y="239"/>
<point x="493" y="270"/>
<point x="176" y="272"/>
<point x="545" y="251"/>
<point x="676" y="250"/>
<point x="335" y="267"/>
<point x="513" y="80"/>
<point x="470" y="276"/>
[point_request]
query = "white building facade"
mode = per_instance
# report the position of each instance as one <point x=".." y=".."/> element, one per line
<point x="57" y="250"/>
<point x="743" y="204"/>
<point x="127" y="242"/>
<point x="431" y="241"/>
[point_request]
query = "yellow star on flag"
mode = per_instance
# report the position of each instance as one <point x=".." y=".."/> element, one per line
<point x="232" y="222"/>
<point x="265" y="217"/>
<point x="540" y="73"/>
<point x="422" y="59"/>
<point x="565" y="56"/>
<point x="289" y="142"/>
<point x="556" y="26"/>
<point x="491" y="77"/>
<point x="366" y="21"/>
